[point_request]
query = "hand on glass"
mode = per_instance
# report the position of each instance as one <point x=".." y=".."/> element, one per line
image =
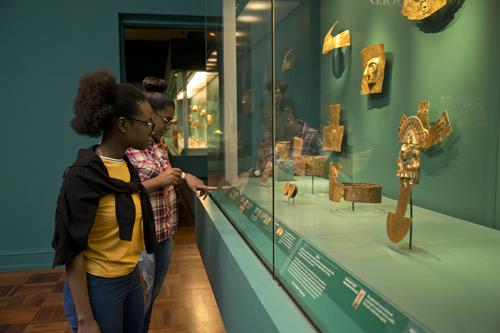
<point x="197" y="186"/>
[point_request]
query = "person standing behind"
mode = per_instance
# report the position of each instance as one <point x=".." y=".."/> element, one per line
<point x="160" y="179"/>
<point x="104" y="216"/>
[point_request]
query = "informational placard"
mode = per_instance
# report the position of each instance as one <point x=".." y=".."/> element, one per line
<point x="320" y="285"/>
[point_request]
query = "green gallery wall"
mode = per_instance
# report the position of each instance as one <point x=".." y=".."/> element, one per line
<point x="454" y="67"/>
<point x="44" y="49"/>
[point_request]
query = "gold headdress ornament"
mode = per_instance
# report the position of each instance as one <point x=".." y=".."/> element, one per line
<point x="339" y="40"/>
<point x="417" y="10"/>
<point x="333" y="133"/>
<point x="415" y="133"/>
<point x="288" y="61"/>
<point x="373" y="65"/>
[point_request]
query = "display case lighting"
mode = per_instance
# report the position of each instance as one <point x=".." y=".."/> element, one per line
<point x="196" y="82"/>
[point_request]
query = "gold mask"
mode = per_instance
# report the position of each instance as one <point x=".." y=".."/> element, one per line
<point x="339" y="40"/>
<point x="373" y="64"/>
<point x="288" y="61"/>
<point x="417" y="10"/>
<point x="333" y="133"/>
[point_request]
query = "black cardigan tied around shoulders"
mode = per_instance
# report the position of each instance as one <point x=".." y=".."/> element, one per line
<point x="85" y="182"/>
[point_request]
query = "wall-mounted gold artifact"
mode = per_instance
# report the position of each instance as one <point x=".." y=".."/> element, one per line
<point x="415" y="133"/>
<point x="339" y="40"/>
<point x="333" y="133"/>
<point x="288" y="60"/>
<point x="373" y="65"/>
<point x="417" y="10"/>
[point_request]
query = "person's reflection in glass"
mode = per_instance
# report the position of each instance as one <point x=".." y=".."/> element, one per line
<point x="298" y="128"/>
<point x="287" y="126"/>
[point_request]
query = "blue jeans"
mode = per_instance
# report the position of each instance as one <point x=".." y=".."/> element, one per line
<point x="153" y="269"/>
<point x="117" y="303"/>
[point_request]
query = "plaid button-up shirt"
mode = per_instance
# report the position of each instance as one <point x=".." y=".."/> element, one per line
<point x="150" y="163"/>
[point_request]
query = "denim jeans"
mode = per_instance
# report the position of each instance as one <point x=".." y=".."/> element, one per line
<point x="117" y="303"/>
<point x="153" y="269"/>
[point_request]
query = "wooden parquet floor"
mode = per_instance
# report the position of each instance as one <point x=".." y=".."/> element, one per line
<point x="32" y="301"/>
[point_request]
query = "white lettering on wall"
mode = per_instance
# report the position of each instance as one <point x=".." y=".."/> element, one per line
<point x="386" y="2"/>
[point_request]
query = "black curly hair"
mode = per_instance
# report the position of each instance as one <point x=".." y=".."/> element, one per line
<point x="154" y="90"/>
<point x="99" y="99"/>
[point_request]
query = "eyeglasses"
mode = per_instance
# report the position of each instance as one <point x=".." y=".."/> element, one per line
<point x="166" y="120"/>
<point x="149" y="124"/>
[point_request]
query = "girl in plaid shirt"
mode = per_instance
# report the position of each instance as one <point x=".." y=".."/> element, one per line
<point x="160" y="179"/>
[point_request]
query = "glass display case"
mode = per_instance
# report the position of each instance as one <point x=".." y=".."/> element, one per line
<point x="358" y="151"/>
<point x="195" y="126"/>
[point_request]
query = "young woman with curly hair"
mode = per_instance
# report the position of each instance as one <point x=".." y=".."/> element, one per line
<point x="159" y="178"/>
<point x="104" y="217"/>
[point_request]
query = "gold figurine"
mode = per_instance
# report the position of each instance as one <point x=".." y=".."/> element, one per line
<point x="333" y="133"/>
<point x="415" y="133"/>
<point x="417" y="10"/>
<point x="288" y="61"/>
<point x="339" y="40"/>
<point x="373" y="64"/>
